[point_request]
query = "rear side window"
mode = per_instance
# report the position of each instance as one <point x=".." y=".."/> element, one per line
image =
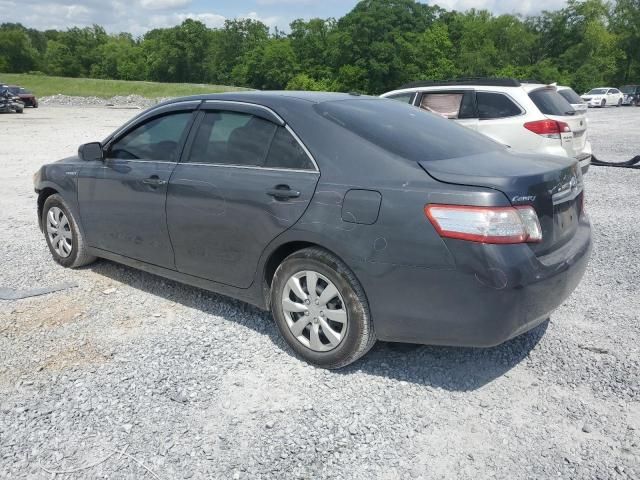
<point x="406" y="131"/>
<point x="402" y="97"/>
<point x="570" y="96"/>
<point x="286" y="152"/>
<point x="449" y="104"/>
<point x="232" y="138"/>
<point x="551" y="102"/>
<point x="496" y="105"/>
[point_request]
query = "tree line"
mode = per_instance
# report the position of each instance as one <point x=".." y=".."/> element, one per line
<point x="376" y="47"/>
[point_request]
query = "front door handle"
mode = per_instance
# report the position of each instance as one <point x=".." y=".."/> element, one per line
<point x="154" y="181"/>
<point x="282" y="192"/>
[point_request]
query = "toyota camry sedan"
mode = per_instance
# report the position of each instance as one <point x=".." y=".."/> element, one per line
<point x="350" y="218"/>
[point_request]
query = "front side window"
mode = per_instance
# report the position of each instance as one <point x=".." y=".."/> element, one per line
<point x="157" y="139"/>
<point x="232" y="138"/>
<point x="496" y="105"/>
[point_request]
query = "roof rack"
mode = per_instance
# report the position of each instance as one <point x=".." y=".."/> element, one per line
<point x="533" y="80"/>
<point x="482" y="81"/>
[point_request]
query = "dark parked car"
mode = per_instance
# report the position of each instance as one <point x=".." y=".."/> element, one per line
<point x="352" y="218"/>
<point x="9" y="102"/>
<point x="27" y="97"/>
<point x="631" y="95"/>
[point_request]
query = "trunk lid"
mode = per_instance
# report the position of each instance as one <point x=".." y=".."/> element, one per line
<point x="552" y="185"/>
<point x="556" y="107"/>
<point x="573" y="142"/>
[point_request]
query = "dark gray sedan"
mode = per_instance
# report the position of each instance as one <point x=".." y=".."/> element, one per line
<point x="351" y="218"/>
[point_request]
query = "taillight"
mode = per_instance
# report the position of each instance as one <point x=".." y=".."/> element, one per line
<point x="485" y="224"/>
<point x="548" y="128"/>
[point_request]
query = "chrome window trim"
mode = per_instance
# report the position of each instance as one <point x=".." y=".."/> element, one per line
<point x="108" y="160"/>
<point x="316" y="169"/>
<point x="250" y="167"/>
<point x="235" y="102"/>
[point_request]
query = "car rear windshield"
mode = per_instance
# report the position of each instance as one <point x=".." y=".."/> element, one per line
<point x="551" y="102"/>
<point x="406" y="131"/>
<point x="570" y="96"/>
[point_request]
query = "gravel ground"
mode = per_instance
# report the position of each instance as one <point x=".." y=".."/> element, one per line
<point x="182" y="383"/>
<point x="133" y="101"/>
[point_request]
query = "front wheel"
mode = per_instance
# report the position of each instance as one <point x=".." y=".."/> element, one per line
<point x="321" y="309"/>
<point x="603" y="103"/>
<point x="64" y="238"/>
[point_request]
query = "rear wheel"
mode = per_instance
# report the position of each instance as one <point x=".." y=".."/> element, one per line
<point x="321" y="309"/>
<point x="64" y="238"/>
<point x="619" y="103"/>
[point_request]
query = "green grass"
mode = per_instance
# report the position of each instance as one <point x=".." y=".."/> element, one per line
<point x="43" y="86"/>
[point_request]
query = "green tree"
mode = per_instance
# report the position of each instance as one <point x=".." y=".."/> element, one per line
<point x="313" y="43"/>
<point x="16" y="51"/>
<point x="230" y="45"/>
<point x="373" y="43"/>
<point x="120" y="58"/>
<point x="269" y="67"/>
<point x="625" y="24"/>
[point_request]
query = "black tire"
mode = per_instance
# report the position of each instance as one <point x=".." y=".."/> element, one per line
<point x="619" y="102"/>
<point x="79" y="255"/>
<point x="603" y="103"/>
<point x="359" y="336"/>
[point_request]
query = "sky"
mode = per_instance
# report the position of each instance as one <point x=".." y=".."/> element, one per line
<point x="139" y="16"/>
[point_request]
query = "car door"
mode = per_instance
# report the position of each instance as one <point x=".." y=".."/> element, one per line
<point x="122" y="198"/>
<point x="496" y="118"/>
<point x="244" y="179"/>
<point x="458" y="105"/>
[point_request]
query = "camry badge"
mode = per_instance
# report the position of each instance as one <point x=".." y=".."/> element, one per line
<point x="520" y="199"/>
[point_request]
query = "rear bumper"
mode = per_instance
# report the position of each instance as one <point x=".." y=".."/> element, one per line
<point x="495" y="293"/>
<point x="29" y="101"/>
<point x="583" y="158"/>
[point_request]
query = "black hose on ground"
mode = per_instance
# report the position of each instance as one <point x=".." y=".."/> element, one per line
<point x="633" y="163"/>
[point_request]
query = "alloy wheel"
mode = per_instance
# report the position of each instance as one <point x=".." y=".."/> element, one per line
<point x="59" y="232"/>
<point x="314" y="311"/>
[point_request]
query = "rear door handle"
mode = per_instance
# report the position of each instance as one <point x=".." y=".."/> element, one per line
<point x="283" y="192"/>
<point x="154" y="181"/>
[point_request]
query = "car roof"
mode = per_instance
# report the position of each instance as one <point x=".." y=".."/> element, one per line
<point x="272" y="98"/>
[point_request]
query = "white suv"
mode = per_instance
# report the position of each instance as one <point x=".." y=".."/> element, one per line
<point x="526" y="117"/>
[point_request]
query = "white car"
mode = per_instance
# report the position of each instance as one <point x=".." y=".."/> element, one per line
<point x="530" y="118"/>
<point x="603" y="96"/>
<point x="573" y="98"/>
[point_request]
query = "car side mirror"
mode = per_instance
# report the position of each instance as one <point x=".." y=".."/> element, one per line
<point x="91" y="152"/>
